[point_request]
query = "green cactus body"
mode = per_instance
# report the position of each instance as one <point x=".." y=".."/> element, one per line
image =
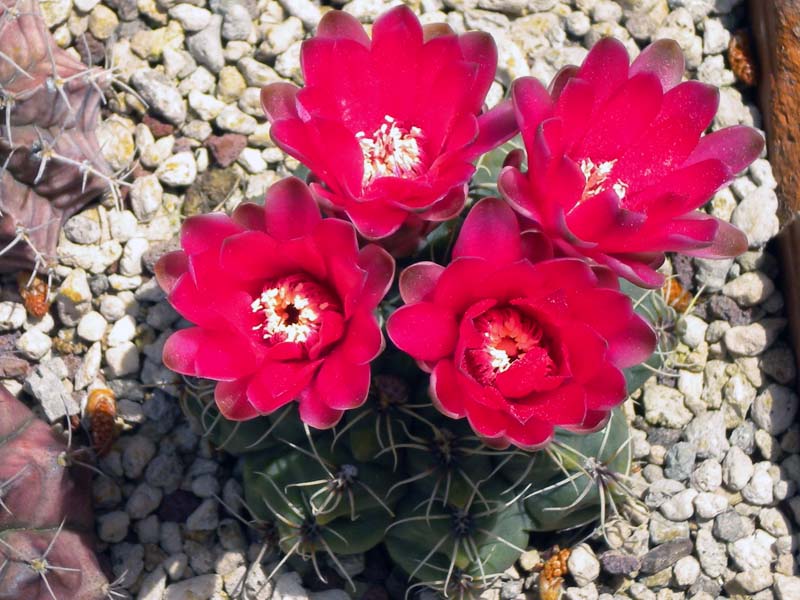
<point x="473" y="539"/>
<point x="322" y="499"/>
<point x="588" y="467"/>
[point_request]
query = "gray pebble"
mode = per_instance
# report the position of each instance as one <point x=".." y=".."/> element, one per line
<point x="153" y="586"/>
<point x="143" y="500"/>
<point x="205" y="486"/>
<point x="122" y="360"/>
<point x="46" y="385"/>
<point x="204" y="587"/>
<point x="731" y="526"/>
<point x="753" y="552"/>
<point x="127" y="562"/>
<point x="583" y="565"/>
<point x="756" y="216"/>
<point x="662" y="530"/>
<point x="744" y="437"/>
<point x="686" y="571"/>
<point x="619" y="563"/>
<point x="82" y="230"/>
<point x="752" y="340"/>
<point x="706" y="433"/>
<point x="113" y="527"/>
<point x="712" y="555"/>
<point x="708" y="505"/>
<point x="159" y="93"/>
<point x="707" y="477"/>
<point x="679" y="461"/>
<point x="759" y="490"/>
<point x="206" y="46"/>
<point x="148" y="530"/>
<point x="34" y="344"/>
<point x="205" y="517"/>
<point x="680" y="507"/>
<point x="775" y="409"/>
<point x="665" y="555"/>
<point x="137" y="452"/>
<point x="236" y="24"/>
<point x="165" y="471"/>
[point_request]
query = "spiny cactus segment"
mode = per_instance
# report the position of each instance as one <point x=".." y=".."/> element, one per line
<point x="46" y="522"/>
<point x="50" y="162"/>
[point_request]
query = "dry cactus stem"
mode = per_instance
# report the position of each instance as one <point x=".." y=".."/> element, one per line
<point x="50" y="163"/>
<point x="46" y="521"/>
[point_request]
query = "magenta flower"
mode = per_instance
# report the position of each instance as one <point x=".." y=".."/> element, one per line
<point x="283" y="302"/>
<point x="515" y="346"/>
<point x="617" y="165"/>
<point x="390" y="126"/>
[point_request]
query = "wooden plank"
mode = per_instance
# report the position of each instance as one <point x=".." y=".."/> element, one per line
<point x="776" y="29"/>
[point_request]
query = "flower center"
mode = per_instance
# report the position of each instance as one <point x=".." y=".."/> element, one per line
<point x="291" y="309"/>
<point x="596" y="179"/>
<point x="509" y="336"/>
<point x="391" y="151"/>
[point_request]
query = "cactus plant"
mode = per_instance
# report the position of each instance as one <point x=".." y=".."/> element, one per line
<point x="452" y="512"/>
<point x="46" y="522"/>
<point x="50" y="162"/>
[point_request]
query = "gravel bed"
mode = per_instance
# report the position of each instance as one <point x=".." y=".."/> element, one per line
<point x="716" y="441"/>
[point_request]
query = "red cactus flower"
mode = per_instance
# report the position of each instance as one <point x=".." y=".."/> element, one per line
<point x="283" y="302"/>
<point x="515" y="346"/>
<point x="617" y="165"/>
<point x="390" y="125"/>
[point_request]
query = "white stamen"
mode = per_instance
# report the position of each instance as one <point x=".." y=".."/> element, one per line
<point x="596" y="175"/>
<point x="274" y="303"/>
<point x="391" y="151"/>
<point x="499" y="359"/>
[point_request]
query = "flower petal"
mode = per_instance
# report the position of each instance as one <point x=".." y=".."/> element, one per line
<point x="290" y="210"/>
<point x="495" y="127"/>
<point x="250" y="216"/>
<point x="375" y="219"/>
<point x="169" y="268"/>
<point x="447" y="389"/>
<point x="406" y="324"/>
<point x="343" y="384"/>
<point x="490" y="231"/>
<point x="338" y="24"/>
<point x="532" y="104"/>
<point x="210" y="354"/>
<point x="728" y="241"/>
<point x="206" y="232"/>
<point x="478" y="47"/>
<point x="736" y="146"/>
<point x="607" y="390"/>
<point x="626" y="115"/>
<point x="314" y="410"/>
<point x="606" y="68"/>
<point x="278" y="383"/>
<point x="664" y="59"/>
<point x="279" y="101"/>
<point x="363" y="340"/>
<point x="231" y="400"/>
<point x="379" y="266"/>
<point x="418" y="281"/>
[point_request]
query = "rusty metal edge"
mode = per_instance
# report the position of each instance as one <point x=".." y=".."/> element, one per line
<point x="773" y="30"/>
